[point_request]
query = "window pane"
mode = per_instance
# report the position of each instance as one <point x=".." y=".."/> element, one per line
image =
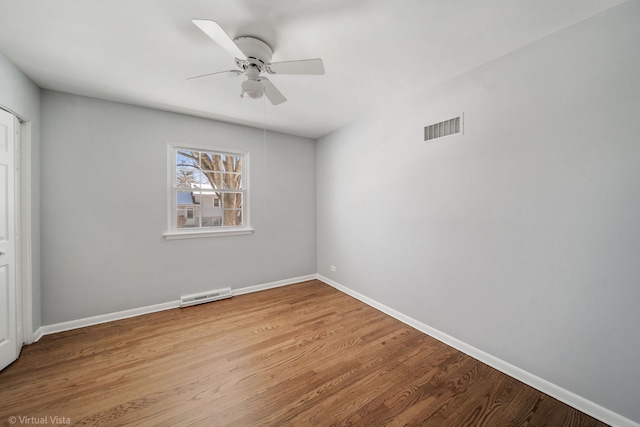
<point x="188" y="170"/>
<point x="208" y="189"/>
<point x="232" y="200"/>
<point x="184" y="198"/>
<point x="232" y="203"/>
<point x="187" y="158"/>
<point x="201" y="178"/>
<point x="210" y="161"/>
<point x="233" y="181"/>
<point x="212" y="179"/>
<point x="232" y="217"/>
<point x="186" y="176"/>
<point x="186" y="210"/>
<point x="212" y="221"/>
<point x="237" y="164"/>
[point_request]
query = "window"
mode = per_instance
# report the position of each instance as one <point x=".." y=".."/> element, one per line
<point x="208" y="192"/>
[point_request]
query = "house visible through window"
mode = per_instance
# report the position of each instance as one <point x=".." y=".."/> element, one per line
<point x="209" y="190"/>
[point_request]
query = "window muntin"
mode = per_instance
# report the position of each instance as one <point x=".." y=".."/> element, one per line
<point x="209" y="191"/>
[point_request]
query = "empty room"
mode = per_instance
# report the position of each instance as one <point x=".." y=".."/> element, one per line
<point x="320" y="212"/>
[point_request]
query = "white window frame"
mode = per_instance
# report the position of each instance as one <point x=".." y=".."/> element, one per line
<point x="173" y="232"/>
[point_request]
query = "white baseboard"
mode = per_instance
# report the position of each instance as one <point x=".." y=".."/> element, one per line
<point x="36" y="335"/>
<point x="110" y="317"/>
<point x="263" y="287"/>
<point x="588" y="407"/>
<point x="103" y="318"/>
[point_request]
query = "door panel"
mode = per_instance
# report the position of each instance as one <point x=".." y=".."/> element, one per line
<point x="8" y="302"/>
<point x="3" y="203"/>
<point x="4" y="301"/>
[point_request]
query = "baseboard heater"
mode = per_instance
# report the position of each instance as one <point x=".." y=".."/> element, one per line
<point x="215" y="295"/>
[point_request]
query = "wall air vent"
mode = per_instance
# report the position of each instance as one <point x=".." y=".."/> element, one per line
<point x="215" y="295"/>
<point x="445" y="128"/>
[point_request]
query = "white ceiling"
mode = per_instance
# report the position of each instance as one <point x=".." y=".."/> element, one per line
<point x="375" y="52"/>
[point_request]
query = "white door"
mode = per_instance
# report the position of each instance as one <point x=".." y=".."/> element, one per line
<point x="8" y="301"/>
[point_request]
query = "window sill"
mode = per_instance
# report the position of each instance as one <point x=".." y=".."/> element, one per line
<point x="197" y="234"/>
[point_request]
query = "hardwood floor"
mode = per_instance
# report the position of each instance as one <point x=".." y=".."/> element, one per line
<point x="301" y="355"/>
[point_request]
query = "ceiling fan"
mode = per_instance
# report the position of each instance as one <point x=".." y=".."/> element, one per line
<point x="253" y="58"/>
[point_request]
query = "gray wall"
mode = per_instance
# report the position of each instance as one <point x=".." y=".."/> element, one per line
<point x="22" y="97"/>
<point x="521" y="237"/>
<point x="104" y="202"/>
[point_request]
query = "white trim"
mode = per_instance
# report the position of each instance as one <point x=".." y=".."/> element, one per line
<point x="26" y="232"/>
<point x="199" y="233"/>
<point x="19" y="192"/>
<point x="553" y="390"/>
<point x="271" y="285"/>
<point x="189" y="147"/>
<point x="37" y="335"/>
<point x="104" y="318"/>
<point x="110" y="317"/>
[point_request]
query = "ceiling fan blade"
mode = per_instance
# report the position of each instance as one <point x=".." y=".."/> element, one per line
<point x="215" y="31"/>
<point x="271" y="92"/>
<point x="229" y="73"/>
<point x="304" y="66"/>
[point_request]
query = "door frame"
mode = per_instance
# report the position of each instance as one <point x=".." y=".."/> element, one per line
<point x="24" y="204"/>
<point x="24" y="253"/>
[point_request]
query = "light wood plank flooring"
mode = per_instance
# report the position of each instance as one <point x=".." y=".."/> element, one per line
<point x="300" y="355"/>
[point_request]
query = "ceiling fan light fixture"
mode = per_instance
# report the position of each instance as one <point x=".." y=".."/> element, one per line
<point x="252" y="88"/>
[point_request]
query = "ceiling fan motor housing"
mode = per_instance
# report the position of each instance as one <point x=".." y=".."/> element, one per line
<point x="258" y="55"/>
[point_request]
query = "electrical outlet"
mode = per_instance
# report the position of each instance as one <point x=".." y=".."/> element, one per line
<point x="332" y="268"/>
